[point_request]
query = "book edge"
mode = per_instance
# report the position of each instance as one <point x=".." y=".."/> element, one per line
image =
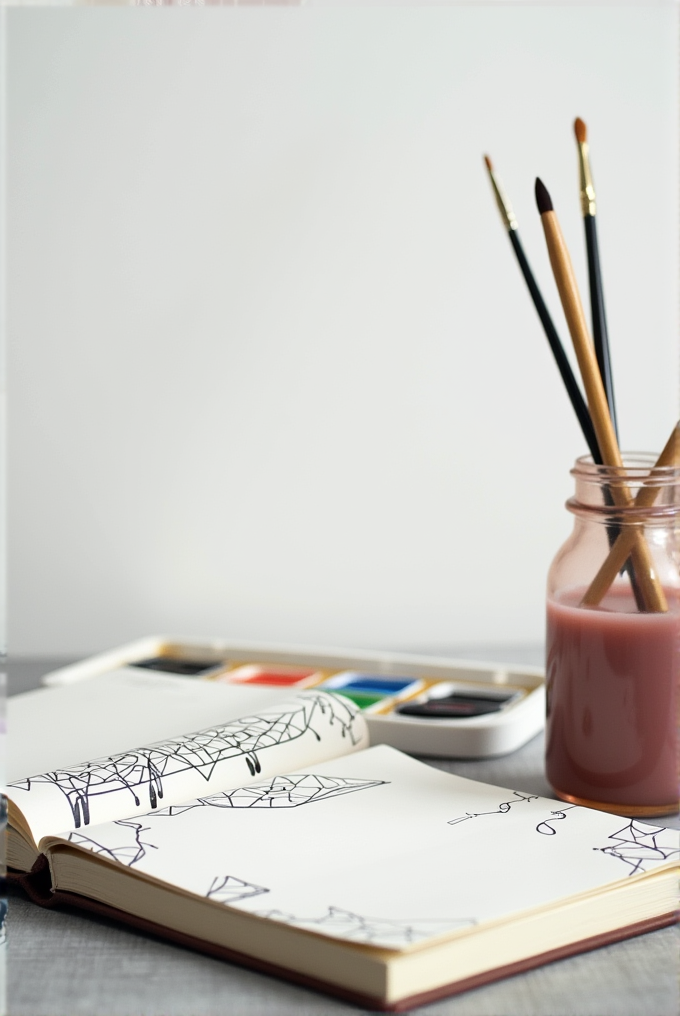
<point x="37" y="884"/>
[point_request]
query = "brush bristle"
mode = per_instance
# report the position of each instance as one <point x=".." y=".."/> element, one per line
<point x="543" y="200"/>
<point x="488" y="163"/>
<point x="580" y="130"/>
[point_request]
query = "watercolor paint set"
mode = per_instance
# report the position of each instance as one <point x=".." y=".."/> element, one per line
<point x="423" y="705"/>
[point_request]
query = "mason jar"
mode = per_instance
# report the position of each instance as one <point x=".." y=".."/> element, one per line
<point x="613" y="641"/>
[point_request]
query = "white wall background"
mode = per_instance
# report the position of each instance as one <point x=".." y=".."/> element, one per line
<point x="273" y="372"/>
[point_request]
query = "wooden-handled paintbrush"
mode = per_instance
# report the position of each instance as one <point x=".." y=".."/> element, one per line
<point x="618" y="555"/>
<point x="599" y="320"/>
<point x="564" y="367"/>
<point x="565" y="279"/>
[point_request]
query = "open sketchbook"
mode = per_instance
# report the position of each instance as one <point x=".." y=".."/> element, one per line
<point x="282" y="841"/>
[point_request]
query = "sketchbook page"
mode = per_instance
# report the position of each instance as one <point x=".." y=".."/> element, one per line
<point x="381" y="849"/>
<point x="50" y="728"/>
<point x="309" y="727"/>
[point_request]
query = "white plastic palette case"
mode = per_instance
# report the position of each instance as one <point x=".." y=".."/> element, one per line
<point x="383" y="684"/>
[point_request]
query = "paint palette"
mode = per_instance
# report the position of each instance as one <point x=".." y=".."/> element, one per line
<point x="373" y="693"/>
<point x="271" y="676"/>
<point x="421" y="704"/>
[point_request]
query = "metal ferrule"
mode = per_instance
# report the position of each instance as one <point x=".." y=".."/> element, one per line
<point x="504" y="206"/>
<point x="587" y="190"/>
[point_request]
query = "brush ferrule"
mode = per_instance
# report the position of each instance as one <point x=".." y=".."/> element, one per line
<point x="504" y="206"/>
<point x="588" y="206"/>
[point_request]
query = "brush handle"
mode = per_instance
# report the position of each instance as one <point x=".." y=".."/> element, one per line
<point x="563" y="365"/>
<point x="600" y="334"/>
<point x="601" y="344"/>
<point x="625" y="542"/>
<point x="654" y="597"/>
<point x="573" y="390"/>
<point x="578" y="329"/>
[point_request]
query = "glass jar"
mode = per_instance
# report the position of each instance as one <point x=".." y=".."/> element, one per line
<point x="613" y="641"/>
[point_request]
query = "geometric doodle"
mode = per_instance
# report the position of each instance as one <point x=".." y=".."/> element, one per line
<point x="228" y="889"/>
<point x="129" y="850"/>
<point x="370" y="930"/>
<point x="278" y="792"/>
<point x="146" y="769"/>
<point x="634" y="845"/>
<point x="275" y="793"/>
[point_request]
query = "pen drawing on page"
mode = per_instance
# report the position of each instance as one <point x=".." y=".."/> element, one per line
<point x="547" y="827"/>
<point x="502" y="809"/>
<point x="129" y="848"/>
<point x="637" y="845"/>
<point x="342" y="923"/>
<point x="147" y="770"/>
<point x="279" y="792"/>
<point x="229" y="889"/>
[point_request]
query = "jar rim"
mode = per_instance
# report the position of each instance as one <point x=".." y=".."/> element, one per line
<point x="637" y="467"/>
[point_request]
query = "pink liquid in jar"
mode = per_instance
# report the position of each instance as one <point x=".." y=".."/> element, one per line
<point x="613" y="677"/>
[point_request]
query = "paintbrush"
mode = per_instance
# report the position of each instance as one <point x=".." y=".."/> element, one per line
<point x="618" y="555"/>
<point x="654" y="597"/>
<point x="563" y="365"/>
<point x="599" y="320"/>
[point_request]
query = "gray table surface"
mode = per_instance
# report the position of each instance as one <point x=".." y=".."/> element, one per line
<point x="71" y="964"/>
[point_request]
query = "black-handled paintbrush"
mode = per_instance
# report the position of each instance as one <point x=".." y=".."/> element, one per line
<point x="598" y="317"/>
<point x="563" y="365"/>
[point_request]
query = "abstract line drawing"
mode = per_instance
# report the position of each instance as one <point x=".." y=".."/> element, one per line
<point x="145" y="770"/>
<point x="130" y="850"/>
<point x="546" y="827"/>
<point x="370" y="930"/>
<point x="502" y="809"/>
<point x="228" y="889"/>
<point x="638" y="846"/>
<point x="279" y="792"/>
